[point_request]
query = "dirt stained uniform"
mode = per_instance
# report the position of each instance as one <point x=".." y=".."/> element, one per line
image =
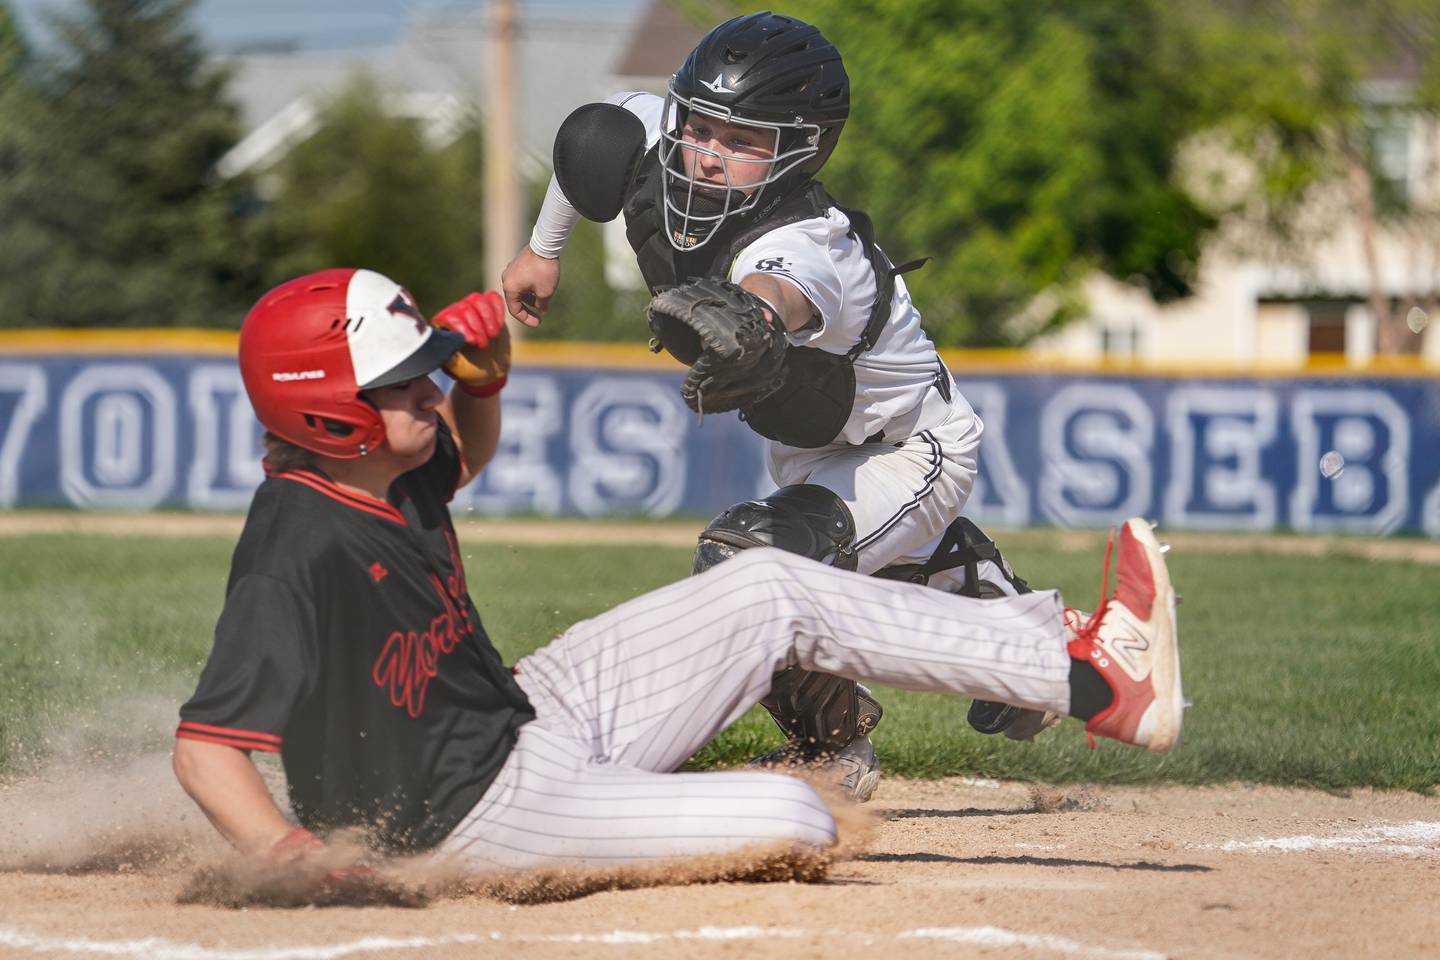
<point x="349" y="644"/>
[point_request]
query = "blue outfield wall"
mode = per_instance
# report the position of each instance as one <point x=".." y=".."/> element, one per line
<point x="131" y="432"/>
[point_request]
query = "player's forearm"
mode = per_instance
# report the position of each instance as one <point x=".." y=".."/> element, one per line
<point x="475" y="424"/>
<point x="231" y="793"/>
<point x="785" y="299"/>
<point x="554" y="224"/>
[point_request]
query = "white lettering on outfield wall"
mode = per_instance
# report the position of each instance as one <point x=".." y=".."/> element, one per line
<point x="30" y="387"/>
<point x="1372" y="432"/>
<point x="522" y="478"/>
<point x="1096" y="442"/>
<point x="117" y="437"/>
<point x="226" y="467"/>
<point x="1217" y="435"/>
<point x="1430" y="513"/>
<point x="1238" y="456"/>
<point x="627" y="438"/>
<point x="1000" y="494"/>
<point x="119" y="431"/>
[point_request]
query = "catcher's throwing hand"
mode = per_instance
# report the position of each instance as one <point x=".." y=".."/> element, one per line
<point x="483" y="364"/>
<point x="728" y="337"/>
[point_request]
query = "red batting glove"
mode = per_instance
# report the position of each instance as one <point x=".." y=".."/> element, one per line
<point x="302" y="849"/>
<point x="478" y="317"/>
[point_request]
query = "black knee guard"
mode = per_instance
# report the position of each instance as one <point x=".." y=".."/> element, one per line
<point x="820" y="711"/>
<point x="803" y="518"/>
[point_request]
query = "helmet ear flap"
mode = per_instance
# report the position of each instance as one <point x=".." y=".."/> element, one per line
<point x="348" y="428"/>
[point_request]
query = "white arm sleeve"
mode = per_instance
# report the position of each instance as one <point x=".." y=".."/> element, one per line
<point x="552" y="228"/>
<point x="557" y="217"/>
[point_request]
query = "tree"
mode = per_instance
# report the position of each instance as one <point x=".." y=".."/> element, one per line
<point x="1326" y="101"/>
<point x="1022" y="146"/>
<point x="13" y="57"/>
<point x="112" y="215"/>
<point x="368" y="189"/>
<point x="12" y="49"/>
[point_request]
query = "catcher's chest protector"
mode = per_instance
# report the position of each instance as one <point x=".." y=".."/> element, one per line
<point x="812" y="407"/>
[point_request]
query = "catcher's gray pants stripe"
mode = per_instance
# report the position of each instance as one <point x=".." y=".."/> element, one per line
<point x="628" y="696"/>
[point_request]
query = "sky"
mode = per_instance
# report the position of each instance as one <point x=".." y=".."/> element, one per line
<point x="229" y="26"/>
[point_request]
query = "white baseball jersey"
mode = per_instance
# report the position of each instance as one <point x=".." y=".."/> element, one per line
<point x="828" y="264"/>
<point x="905" y="461"/>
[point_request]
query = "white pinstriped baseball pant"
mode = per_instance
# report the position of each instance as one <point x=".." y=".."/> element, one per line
<point x="624" y="698"/>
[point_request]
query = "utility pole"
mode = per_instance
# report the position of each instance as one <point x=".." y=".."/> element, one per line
<point x="502" y="143"/>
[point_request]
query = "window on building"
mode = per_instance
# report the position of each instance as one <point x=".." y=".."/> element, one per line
<point x="1327" y="326"/>
<point x="1389" y="131"/>
<point x="1120" y="341"/>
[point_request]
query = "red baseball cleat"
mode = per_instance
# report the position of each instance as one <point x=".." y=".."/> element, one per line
<point x="1132" y="641"/>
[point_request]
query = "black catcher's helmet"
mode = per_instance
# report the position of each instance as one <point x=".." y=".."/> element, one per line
<point x="764" y="70"/>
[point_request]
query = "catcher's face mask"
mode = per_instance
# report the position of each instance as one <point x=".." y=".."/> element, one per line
<point x="716" y="164"/>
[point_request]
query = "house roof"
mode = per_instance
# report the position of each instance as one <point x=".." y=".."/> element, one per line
<point x="440" y="59"/>
<point x="662" y="38"/>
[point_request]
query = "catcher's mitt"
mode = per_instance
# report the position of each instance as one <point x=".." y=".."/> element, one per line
<point x="736" y="356"/>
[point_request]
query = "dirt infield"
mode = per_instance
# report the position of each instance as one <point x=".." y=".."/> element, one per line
<point x="950" y="868"/>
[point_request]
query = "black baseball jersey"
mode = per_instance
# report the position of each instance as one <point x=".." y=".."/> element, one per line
<point x="349" y="644"/>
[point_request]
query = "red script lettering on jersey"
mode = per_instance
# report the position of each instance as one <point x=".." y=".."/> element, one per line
<point x="410" y="659"/>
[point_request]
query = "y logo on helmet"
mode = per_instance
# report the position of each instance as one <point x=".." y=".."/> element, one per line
<point x="405" y="304"/>
<point x="717" y="85"/>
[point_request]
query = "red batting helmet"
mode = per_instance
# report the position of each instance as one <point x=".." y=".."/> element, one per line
<point x="311" y="345"/>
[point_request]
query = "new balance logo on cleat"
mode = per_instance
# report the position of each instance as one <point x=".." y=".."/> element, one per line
<point x="1130" y="644"/>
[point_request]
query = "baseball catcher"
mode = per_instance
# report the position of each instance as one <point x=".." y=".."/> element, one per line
<point x="717" y="185"/>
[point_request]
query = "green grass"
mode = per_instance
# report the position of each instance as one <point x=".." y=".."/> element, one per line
<point x="1303" y="670"/>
